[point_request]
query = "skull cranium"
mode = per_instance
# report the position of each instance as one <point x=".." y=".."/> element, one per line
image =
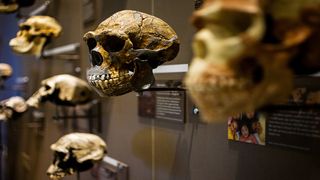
<point x="5" y="70"/>
<point x="232" y="72"/>
<point x="63" y="89"/>
<point x="34" y="34"/>
<point x="10" y="6"/>
<point x="125" y="48"/>
<point x="75" y="152"/>
<point x="12" y="107"/>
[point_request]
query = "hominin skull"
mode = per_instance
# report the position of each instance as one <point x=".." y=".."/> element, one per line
<point x="125" y="48"/>
<point x="5" y="71"/>
<point x="75" y="152"/>
<point x="34" y="34"/>
<point x="12" y="107"/>
<point x="10" y="6"/>
<point x="63" y="89"/>
<point x="237" y="67"/>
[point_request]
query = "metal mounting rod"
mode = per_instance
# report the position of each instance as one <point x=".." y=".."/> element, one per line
<point x="61" y="50"/>
<point x="40" y="9"/>
<point x="175" y="68"/>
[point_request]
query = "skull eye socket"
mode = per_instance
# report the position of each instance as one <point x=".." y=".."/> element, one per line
<point x="251" y="68"/>
<point x="47" y="87"/>
<point x="25" y="27"/>
<point x="92" y="43"/>
<point x="113" y="43"/>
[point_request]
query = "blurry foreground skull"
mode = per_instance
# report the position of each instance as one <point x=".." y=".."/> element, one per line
<point x="34" y="34"/>
<point x="63" y="89"/>
<point x="75" y="152"/>
<point x="239" y="63"/>
<point x="12" y="107"/>
<point x="125" y="48"/>
<point x="5" y="70"/>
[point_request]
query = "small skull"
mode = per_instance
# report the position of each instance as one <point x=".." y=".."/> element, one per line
<point x="34" y="34"/>
<point x="12" y="107"/>
<point x="125" y="48"/>
<point x="75" y="152"/>
<point x="10" y="6"/>
<point x="5" y="71"/>
<point x="63" y="89"/>
<point x="231" y="71"/>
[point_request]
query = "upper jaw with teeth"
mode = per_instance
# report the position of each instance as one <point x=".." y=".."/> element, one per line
<point x="111" y="85"/>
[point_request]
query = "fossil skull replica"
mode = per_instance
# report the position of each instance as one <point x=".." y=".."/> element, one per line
<point x="10" y="6"/>
<point x="75" y="152"/>
<point x="5" y="71"/>
<point x="241" y="59"/>
<point x="63" y="89"/>
<point x="34" y="34"/>
<point x="12" y="107"/>
<point x="125" y="48"/>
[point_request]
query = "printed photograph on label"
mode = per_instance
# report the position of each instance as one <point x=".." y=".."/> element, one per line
<point x="247" y="127"/>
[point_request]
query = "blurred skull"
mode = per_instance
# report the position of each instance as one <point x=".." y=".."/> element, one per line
<point x="232" y="70"/>
<point x="12" y="107"/>
<point x="10" y="6"/>
<point x="125" y="48"/>
<point x="5" y="70"/>
<point x="63" y="89"/>
<point x="75" y="152"/>
<point x="34" y="34"/>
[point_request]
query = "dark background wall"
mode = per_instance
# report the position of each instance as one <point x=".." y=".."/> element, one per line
<point x="153" y="149"/>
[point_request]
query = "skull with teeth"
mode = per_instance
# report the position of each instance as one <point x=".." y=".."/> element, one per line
<point x="233" y="70"/>
<point x="75" y="152"/>
<point x="12" y="107"/>
<point x="63" y="89"/>
<point x="34" y="34"/>
<point x="125" y="48"/>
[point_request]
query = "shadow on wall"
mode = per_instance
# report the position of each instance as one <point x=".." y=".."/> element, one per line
<point x="284" y="163"/>
<point x="170" y="152"/>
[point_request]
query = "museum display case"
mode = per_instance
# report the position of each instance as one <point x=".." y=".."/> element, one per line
<point x="159" y="90"/>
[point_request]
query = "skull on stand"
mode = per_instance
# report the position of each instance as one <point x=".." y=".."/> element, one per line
<point x="125" y="48"/>
<point x="243" y="50"/>
<point x="75" y="152"/>
<point x="10" y="6"/>
<point x="34" y="34"/>
<point x="5" y="72"/>
<point x="12" y="107"/>
<point x="63" y="89"/>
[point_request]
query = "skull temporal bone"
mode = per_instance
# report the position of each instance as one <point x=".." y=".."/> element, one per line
<point x="75" y="152"/>
<point x="34" y="34"/>
<point x="125" y="48"/>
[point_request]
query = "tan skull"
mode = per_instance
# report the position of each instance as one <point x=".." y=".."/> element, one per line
<point x="34" y="34"/>
<point x="75" y="152"/>
<point x="63" y="89"/>
<point x="5" y="70"/>
<point x="8" y="7"/>
<point x="232" y="72"/>
<point x="12" y="107"/>
<point x="125" y="48"/>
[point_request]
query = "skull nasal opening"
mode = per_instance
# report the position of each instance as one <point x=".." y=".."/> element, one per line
<point x="96" y="58"/>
